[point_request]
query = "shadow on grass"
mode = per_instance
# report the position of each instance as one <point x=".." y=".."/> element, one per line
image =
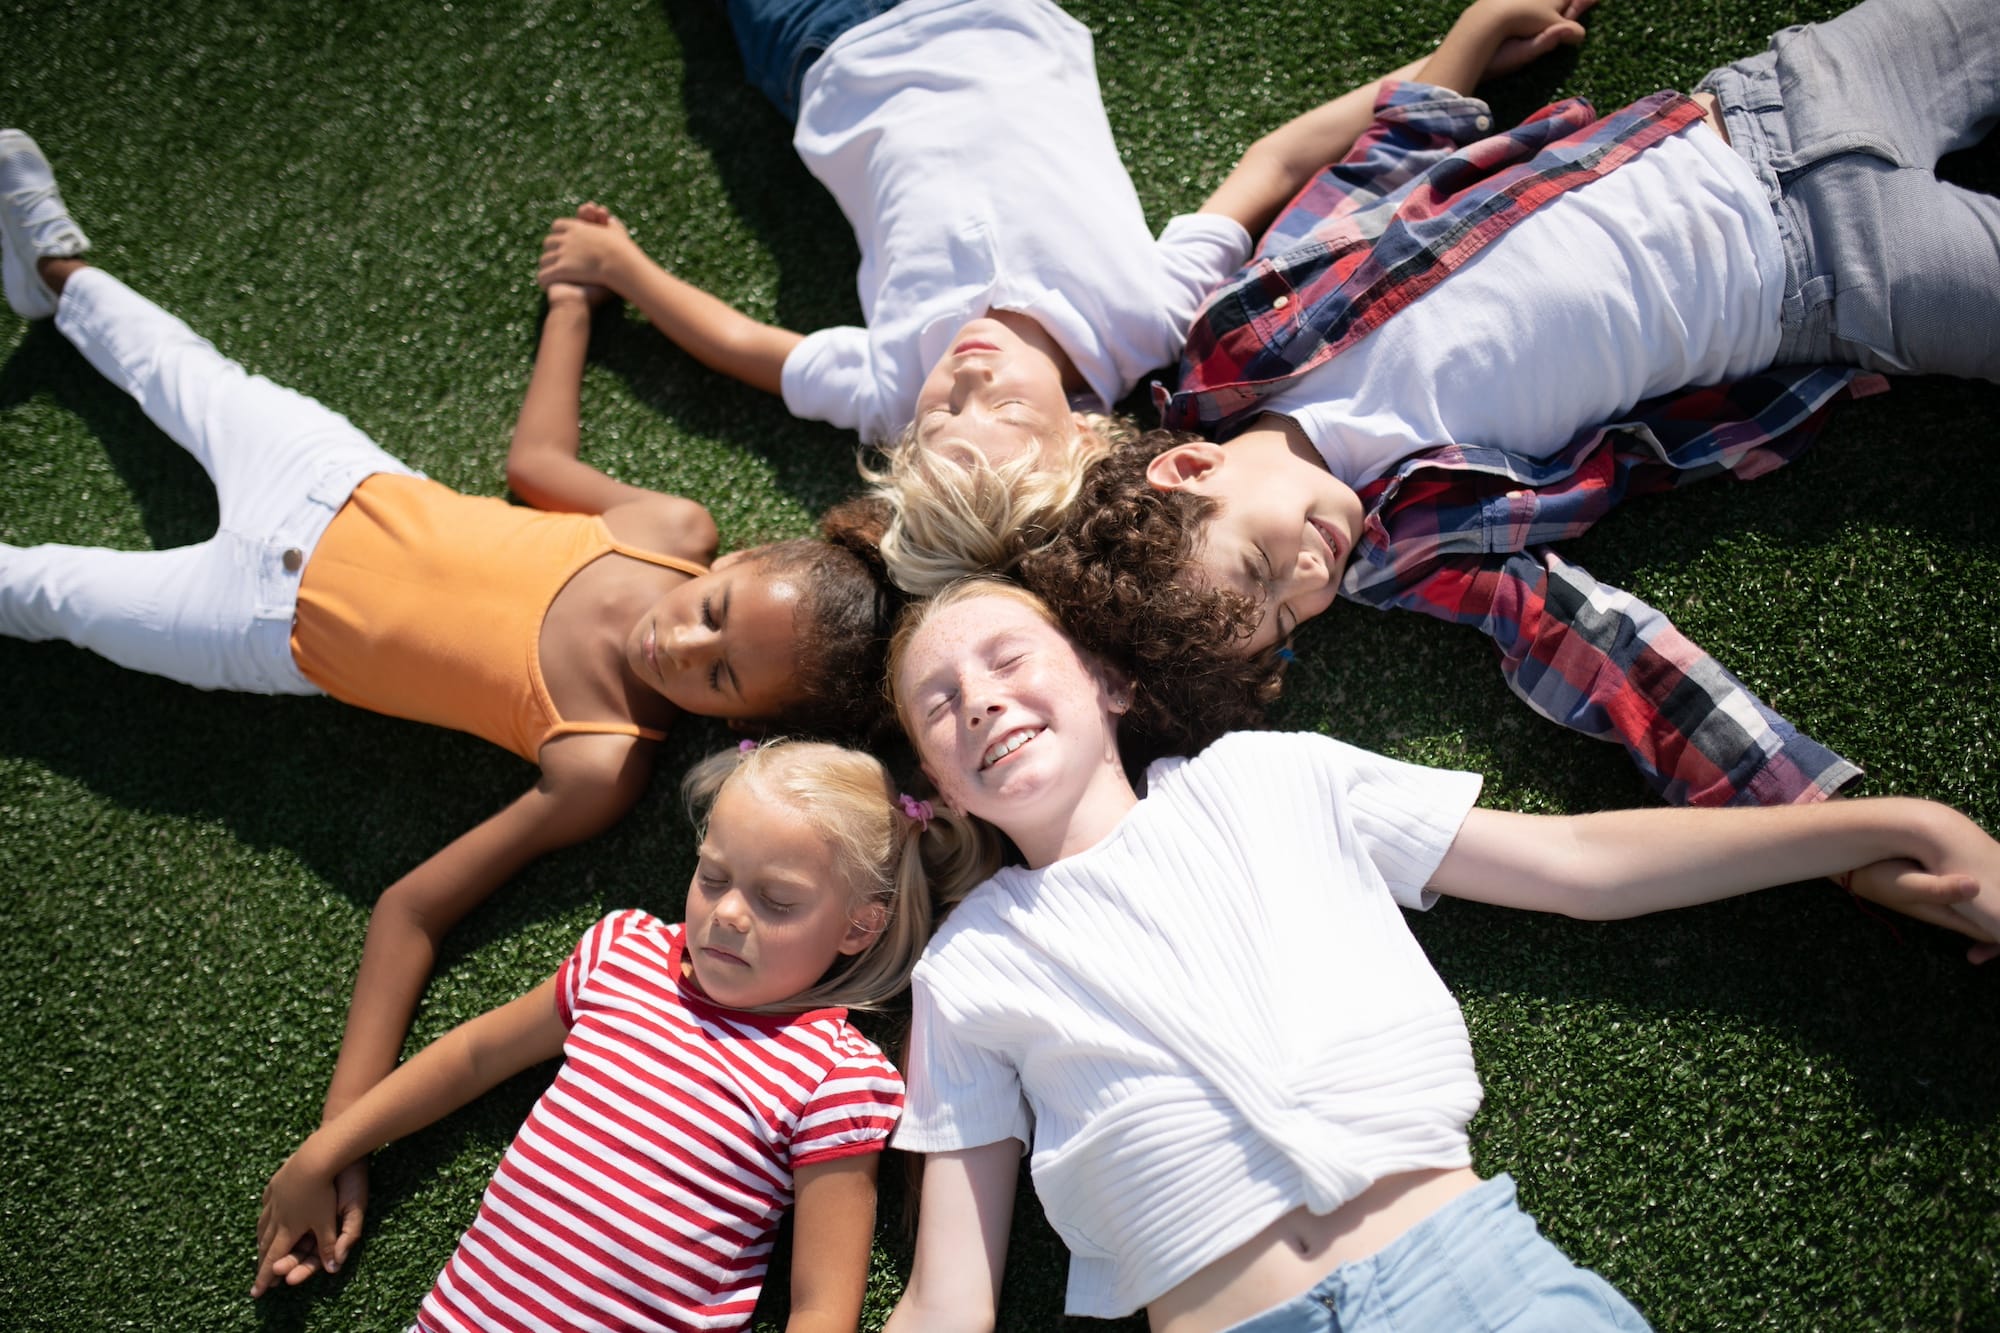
<point x="776" y="199"/>
<point x="175" y="499"/>
<point x="358" y="799"/>
<point x="401" y="1174"/>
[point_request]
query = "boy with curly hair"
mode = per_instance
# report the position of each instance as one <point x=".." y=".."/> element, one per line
<point x="1011" y="288"/>
<point x="1455" y="347"/>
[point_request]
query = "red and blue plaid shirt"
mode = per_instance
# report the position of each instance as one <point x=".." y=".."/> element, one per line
<point x="1459" y="531"/>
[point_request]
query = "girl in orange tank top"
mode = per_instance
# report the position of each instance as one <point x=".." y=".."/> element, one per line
<point x="570" y="633"/>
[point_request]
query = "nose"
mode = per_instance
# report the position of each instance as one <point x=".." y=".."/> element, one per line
<point x="978" y="714"/>
<point x="966" y="380"/>
<point x="1310" y="574"/>
<point x="732" y="911"/>
<point x="690" y="644"/>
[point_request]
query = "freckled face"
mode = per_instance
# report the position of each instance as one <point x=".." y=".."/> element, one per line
<point x="721" y="645"/>
<point x="1009" y="718"/>
<point x="997" y="394"/>
<point x="767" y="911"/>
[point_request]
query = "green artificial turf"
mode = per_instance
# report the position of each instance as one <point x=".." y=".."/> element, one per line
<point x="1778" y="1112"/>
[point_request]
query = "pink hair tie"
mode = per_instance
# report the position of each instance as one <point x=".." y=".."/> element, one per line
<point x="920" y="811"/>
<point x="745" y="747"/>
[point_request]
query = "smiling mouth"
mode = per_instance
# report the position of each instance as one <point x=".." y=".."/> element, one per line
<point x="1006" y="745"/>
<point x="1333" y="537"/>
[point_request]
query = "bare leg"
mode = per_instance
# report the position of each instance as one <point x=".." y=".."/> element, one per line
<point x="55" y="272"/>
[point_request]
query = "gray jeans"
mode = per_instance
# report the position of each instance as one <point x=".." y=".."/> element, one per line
<point x="1887" y="267"/>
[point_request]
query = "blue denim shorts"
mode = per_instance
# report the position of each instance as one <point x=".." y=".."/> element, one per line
<point x="1887" y="267"/>
<point x="780" y="39"/>
<point x="1477" y="1263"/>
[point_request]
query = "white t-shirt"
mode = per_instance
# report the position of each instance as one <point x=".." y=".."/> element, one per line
<point x="1665" y="273"/>
<point x="968" y="147"/>
<point x="1212" y="1017"/>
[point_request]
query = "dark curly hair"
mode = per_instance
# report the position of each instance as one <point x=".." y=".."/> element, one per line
<point x="1116" y="576"/>
<point x="847" y="608"/>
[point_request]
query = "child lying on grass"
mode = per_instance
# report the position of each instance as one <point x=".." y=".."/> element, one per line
<point x="1243" y="1088"/>
<point x="570" y="634"/>
<point x="1007" y="272"/>
<point x="1452" y="346"/>
<point x="709" y="1075"/>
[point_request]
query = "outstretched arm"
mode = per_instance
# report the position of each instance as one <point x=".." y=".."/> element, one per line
<point x="587" y="782"/>
<point x="457" y="1067"/>
<point x="967" y="1204"/>
<point x="1494" y="37"/>
<point x="542" y="463"/>
<point x="1624" y="863"/>
<point x="1277" y="166"/>
<point x="594" y="248"/>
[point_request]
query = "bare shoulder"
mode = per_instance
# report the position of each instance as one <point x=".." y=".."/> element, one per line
<point x="595" y="777"/>
<point x="669" y="524"/>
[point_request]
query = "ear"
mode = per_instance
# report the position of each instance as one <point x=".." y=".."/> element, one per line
<point x="1118" y="686"/>
<point x="1185" y="465"/>
<point x="864" y="928"/>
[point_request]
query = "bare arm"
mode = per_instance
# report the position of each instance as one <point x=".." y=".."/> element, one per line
<point x="1277" y="166"/>
<point x="587" y="783"/>
<point x="833" y="1230"/>
<point x="439" y="1079"/>
<point x="962" y="1233"/>
<point x="1493" y="37"/>
<point x="1630" y="862"/>
<point x="542" y="463"/>
<point x="585" y="250"/>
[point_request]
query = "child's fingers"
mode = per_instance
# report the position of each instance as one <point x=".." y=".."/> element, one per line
<point x="1567" y="33"/>
<point x="351" y="1207"/>
<point x="279" y="1245"/>
<point x="325" y="1239"/>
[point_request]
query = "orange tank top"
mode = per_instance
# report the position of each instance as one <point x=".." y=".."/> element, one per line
<point x="423" y="603"/>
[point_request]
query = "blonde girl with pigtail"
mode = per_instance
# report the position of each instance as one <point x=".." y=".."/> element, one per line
<point x="710" y="1076"/>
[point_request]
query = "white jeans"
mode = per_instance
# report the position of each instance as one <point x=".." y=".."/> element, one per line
<point x="216" y="615"/>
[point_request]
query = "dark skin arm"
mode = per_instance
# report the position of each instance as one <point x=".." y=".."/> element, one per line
<point x="542" y="463"/>
<point x="588" y="782"/>
<point x="593" y="248"/>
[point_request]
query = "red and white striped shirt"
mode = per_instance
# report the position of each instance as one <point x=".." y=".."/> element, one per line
<point x="643" y="1190"/>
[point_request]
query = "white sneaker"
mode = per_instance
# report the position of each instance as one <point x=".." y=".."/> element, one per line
<point x="34" y="224"/>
